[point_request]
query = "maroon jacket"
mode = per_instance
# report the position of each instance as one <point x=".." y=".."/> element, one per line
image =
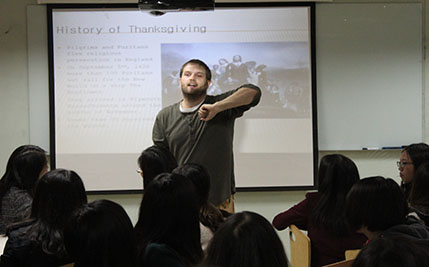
<point x="325" y="247"/>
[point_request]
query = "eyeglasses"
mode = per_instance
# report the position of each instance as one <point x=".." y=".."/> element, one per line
<point x="401" y="164"/>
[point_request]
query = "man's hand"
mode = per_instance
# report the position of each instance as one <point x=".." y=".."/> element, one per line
<point x="208" y="112"/>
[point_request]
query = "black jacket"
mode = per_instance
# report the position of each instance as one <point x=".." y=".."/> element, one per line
<point x="20" y="251"/>
<point x="414" y="229"/>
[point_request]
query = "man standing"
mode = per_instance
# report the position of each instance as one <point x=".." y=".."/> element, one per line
<point x="200" y="128"/>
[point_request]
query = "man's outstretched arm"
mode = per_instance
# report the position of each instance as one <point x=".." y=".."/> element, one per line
<point x="243" y="96"/>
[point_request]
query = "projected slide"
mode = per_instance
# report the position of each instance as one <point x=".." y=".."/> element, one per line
<point x="115" y="69"/>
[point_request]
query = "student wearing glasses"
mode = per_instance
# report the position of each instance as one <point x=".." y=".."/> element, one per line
<point x="412" y="157"/>
<point x="153" y="161"/>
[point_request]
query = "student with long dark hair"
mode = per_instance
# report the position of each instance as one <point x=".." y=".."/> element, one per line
<point x="419" y="195"/>
<point x="153" y="161"/>
<point x="412" y="157"/>
<point x="377" y="208"/>
<point x="322" y="213"/>
<point x="168" y="231"/>
<point x="101" y="234"/>
<point x="39" y="240"/>
<point x="210" y="216"/>
<point x="25" y="166"/>
<point x="246" y="239"/>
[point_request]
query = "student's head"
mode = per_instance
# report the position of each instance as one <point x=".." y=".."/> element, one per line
<point x="337" y="174"/>
<point x="25" y="166"/>
<point x="58" y="193"/>
<point x="393" y="252"/>
<point x="210" y="216"/>
<point x="199" y="177"/>
<point x="420" y="187"/>
<point x="246" y="239"/>
<point x="153" y="161"/>
<point x="169" y="215"/>
<point x="412" y="157"/>
<point x="101" y="234"/>
<point x="376" y="204"/>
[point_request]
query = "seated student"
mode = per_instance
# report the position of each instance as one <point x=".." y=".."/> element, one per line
<point x="25" y="166"/>
<point x="39" y="240"/>
<point x="153" y="161"/>
<point x="210" y="216"/>
<point x="419" y="195"/>
<point x="376" y="207"/>
<point x="393" y="252"/>
<point x="101" y="234"/>
<point x="322" y="213"/>
<point x="411" y="158"/>
<point x="246" y="239"/>
<point x="168" y="231"/>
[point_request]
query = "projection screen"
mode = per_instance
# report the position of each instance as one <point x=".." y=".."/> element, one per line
<point x="113" y="69"/>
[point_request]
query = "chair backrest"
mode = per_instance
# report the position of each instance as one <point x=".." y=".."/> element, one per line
<point x="352" y="254"/>
<point x="345" y="263"/>
<point x="3" y="240"/>
<point x="300" y="247"/>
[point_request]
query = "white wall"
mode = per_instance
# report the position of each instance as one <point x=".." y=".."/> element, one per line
<point x="14" y="117"/>
<point x="14" y="121"/>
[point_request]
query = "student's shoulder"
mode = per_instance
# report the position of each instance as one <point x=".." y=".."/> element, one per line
<point x="161" y="255"/>
<point x="312" y="196"/>
<point x="18" y="241"/>
<point x="19" y="229"/>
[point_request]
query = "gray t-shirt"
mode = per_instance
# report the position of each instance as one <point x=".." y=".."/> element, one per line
<point x="209" y="144"/>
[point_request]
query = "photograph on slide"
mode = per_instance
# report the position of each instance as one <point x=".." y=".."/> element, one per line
<point x="280" y="69"/>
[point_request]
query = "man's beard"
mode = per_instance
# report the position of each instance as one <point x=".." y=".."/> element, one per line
<point x="196" y="94"/>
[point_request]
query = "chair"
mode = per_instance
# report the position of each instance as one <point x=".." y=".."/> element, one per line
<point x="352" y="254"/>
<point x="3" y="240"/>
<point x="345" y="263"/>
<point x="300" y="247"/>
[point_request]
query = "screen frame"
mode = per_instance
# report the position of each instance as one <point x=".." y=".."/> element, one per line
<point x="312" y="41"/>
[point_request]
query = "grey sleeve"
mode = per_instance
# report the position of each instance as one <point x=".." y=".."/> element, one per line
<point x="239" y="111"/>
<point x="158" y="132"/>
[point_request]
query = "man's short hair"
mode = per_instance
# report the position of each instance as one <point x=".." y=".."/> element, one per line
<point x="199" y="63"/>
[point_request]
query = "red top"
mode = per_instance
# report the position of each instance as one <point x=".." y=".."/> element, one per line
<point x="325" y="247"/>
